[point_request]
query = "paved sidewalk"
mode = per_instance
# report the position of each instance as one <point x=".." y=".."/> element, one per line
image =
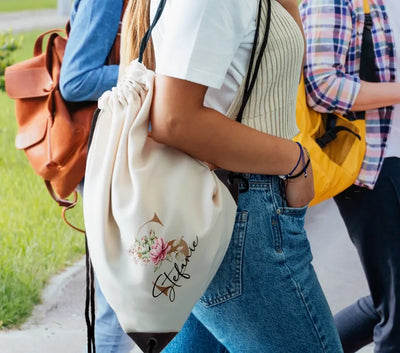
<point x="34" y="19"/>
<point x="57" y="325"/>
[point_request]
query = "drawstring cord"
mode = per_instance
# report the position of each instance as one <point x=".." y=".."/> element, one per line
<point x="90" y="303"/>
<point x="151" y="344"/>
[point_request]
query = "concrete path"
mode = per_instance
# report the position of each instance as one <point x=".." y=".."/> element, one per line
<point x="57" y="325"/>
<point x="35" y="19"/>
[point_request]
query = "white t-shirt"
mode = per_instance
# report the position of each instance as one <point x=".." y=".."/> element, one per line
<point x="207" y="42"/>
<point x="393" y="143"/>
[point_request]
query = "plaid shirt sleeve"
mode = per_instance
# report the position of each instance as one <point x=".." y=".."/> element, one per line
<point x="328" y="30"/>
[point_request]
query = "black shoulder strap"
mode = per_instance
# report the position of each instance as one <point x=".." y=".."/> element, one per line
<point x="147" y="35"/>
<point x="251" y="78"/>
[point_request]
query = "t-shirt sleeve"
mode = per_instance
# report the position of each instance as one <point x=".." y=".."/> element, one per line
<point x="197" y="39"/>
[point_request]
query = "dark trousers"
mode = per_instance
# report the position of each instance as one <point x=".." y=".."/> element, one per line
<point x="372" y="218"/>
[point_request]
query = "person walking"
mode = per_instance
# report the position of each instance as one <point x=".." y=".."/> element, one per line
<point x="85" y="76"/>
<point x="265" y="296"/>
<point x="370" y="208"/>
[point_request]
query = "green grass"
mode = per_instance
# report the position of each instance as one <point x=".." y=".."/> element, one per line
<point x="18" y="5"/>
<point x="35" y="244"/>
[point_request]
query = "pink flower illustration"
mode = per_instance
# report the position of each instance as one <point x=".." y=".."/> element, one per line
<point x="159" y="250"/>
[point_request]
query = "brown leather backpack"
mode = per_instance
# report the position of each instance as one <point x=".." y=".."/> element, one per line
<point x="52" y="132"/>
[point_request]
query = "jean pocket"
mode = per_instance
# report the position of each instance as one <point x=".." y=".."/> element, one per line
<point x="293" y="211"/>
<point x="227" y="282"/>
<point x="294" y="241"/>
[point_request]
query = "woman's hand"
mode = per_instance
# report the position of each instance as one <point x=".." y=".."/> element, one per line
<point x="300" y="190"/>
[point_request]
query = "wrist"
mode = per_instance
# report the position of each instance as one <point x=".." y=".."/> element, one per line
<point x="301" y="166"/>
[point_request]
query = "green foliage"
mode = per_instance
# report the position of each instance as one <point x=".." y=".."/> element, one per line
<point x="35" y="244"/>
<point x="19" y="5"/>
<point x="8" y="45"/>
<point x="26" y="50"/>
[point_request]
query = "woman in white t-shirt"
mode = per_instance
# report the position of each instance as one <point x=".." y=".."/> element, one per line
<point x="265" y="296"/>
<point x="337" y="82"/>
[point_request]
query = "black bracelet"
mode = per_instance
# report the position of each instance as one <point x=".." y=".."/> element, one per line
<point x="298" y="161"/>
<point x="303" y="171"/>
<point x="305" y="165"/>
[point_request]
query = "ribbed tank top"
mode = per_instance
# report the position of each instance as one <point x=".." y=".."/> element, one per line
<point x="272" y="104"/>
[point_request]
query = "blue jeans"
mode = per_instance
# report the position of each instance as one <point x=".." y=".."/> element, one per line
<point x="265" y="297"/>
<point x="109" y="336"/>
<point x="356" y="324"/>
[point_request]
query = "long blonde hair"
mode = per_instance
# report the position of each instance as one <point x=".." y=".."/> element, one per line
<point x="135" y="23"/>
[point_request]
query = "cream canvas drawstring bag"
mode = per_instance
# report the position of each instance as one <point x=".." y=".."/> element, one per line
<point x="158" y="222"/>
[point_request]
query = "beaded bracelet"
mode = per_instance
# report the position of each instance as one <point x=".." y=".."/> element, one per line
<point x="305" y="165"/>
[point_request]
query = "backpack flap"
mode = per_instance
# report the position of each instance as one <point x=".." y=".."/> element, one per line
<point x="31" y="133"/>
<point x="29" y="79"/>
<point x="30" y="85"/>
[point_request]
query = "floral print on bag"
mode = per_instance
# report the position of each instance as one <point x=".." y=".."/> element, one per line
<point x="151" y="249"/>
<point x="170" y="259"/>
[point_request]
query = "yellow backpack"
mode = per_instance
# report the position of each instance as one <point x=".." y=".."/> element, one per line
<point x="336" y="144"/>
<point x="336" y="153"/>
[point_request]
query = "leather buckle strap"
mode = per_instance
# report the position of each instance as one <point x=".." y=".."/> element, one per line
<point x="232" y="181"/>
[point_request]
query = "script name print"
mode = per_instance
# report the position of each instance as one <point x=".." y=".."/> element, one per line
<point x="165" y="283"/>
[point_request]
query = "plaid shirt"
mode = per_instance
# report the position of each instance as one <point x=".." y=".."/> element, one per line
<point x="333" y="30"/>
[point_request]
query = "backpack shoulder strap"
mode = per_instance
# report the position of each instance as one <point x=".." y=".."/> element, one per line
<point x="113" y="57"/>
<point x="124" y="6"/>
<point x="366" y="6"/>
